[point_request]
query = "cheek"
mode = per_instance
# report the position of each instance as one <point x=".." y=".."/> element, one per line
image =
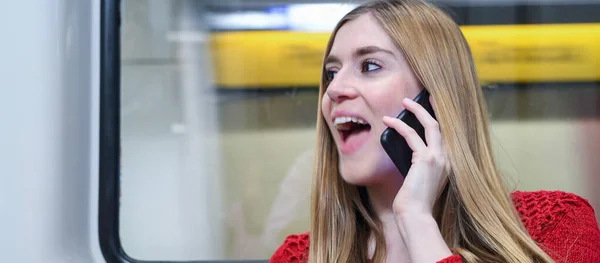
<point x="325" y="107"/>
<point x="390" y="96"/>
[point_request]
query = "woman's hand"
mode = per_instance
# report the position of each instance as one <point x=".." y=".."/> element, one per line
<point x="413" y="205"/>
<point x="428" y="172"/>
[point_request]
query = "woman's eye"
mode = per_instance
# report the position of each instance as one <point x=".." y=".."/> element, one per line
<point x="370" y="66"/>
<point x="330" y="74"/>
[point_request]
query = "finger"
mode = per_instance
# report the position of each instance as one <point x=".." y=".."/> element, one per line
<point x="432" y="129"/>
<point x="410" y="135"/>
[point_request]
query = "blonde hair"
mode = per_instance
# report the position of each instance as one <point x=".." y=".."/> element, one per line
<point x="475" y="214"/>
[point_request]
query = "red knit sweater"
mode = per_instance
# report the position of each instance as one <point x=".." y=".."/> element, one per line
<point x="563" y="224"/>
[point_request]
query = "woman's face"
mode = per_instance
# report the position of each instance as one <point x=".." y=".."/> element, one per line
<point x="368" y="78"/>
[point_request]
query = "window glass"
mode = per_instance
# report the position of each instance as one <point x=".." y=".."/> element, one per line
<point x="219" y="104"/>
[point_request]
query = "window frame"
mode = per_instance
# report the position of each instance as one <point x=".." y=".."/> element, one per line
<point x="109" y="170"/>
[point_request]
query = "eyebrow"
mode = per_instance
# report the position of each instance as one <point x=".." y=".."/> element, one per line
<point x="359" y="52"/>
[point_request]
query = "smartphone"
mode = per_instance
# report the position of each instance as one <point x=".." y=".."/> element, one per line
<point x="395" y="145"/>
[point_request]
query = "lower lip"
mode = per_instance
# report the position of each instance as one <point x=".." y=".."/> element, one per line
<point x="354" y="142"/>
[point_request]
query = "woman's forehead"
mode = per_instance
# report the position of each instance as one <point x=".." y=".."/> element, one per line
<point x="361" y="32"/>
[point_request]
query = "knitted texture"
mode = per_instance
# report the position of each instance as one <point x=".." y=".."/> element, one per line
<point x="563" y="224"/>
<point x="451" y="259"/>
<point x="294" y="249"/>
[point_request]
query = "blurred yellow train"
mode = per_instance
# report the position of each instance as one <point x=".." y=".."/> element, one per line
<point x="502" y="53"/>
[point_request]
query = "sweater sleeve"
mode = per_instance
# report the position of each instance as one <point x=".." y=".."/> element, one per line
<point x="293" y="250"/>
<point x="575" y="236"/>
<point x="451" y="259"/>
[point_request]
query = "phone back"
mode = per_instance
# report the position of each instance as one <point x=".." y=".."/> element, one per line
<point x="395" y="145"/>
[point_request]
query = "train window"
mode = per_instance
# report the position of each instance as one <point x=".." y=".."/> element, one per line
<point x="208" y="114"/>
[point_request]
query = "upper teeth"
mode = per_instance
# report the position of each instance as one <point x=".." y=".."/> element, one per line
<point x="341" y="120"/>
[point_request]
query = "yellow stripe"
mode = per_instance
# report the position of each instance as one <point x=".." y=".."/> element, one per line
<point x="511" y="53"/>
<point x="536" y="53"/>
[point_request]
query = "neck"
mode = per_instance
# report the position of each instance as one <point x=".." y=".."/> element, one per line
<point x="382" y="195"/>
<point x="382" y="198"/>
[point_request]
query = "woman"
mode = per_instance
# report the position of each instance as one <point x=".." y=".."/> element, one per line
<point x="452" y="206"/>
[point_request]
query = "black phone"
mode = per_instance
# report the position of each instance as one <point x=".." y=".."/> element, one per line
<point x="395" y="145"/>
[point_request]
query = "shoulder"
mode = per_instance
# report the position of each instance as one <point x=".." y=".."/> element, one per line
<point x="549" y="204"/>
<point x="544" y="209"/>
<point x="547" y="199"/>
<point x="293" y="250"/>
<point x="559" y="220"/>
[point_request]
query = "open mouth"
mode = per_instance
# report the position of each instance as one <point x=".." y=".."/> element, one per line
<point x="351" y="126"/>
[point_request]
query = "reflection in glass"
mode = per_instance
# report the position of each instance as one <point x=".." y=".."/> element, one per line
<point x="219" y="101"/>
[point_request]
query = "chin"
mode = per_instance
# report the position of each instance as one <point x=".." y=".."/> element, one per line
<point x="358" y="173"/>
<point x="357" y="178"/>
<point x="368" y="171"/>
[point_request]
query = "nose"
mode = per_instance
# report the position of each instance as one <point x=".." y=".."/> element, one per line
<point x="341" y="88"/>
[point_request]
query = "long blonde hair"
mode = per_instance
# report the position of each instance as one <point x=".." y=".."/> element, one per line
<point x="475" y="214"/>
